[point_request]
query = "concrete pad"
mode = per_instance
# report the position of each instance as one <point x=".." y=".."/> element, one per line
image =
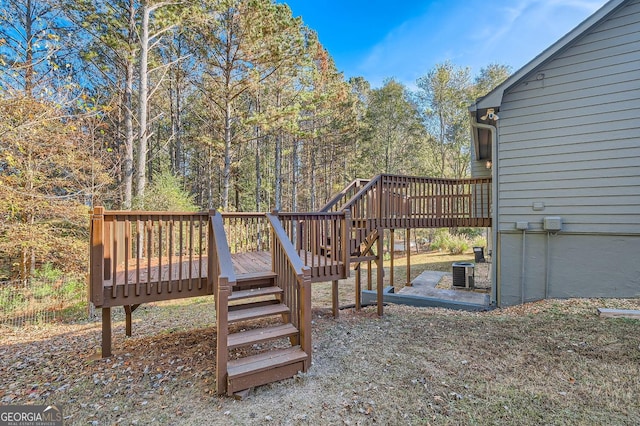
<point x="425" y="283"/>
<point x="423" y="293"/>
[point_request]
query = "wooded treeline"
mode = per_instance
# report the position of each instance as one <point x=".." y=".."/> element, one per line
<point x="183" y="105"/>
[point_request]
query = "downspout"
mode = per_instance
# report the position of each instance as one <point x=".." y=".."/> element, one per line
<point x="494" y="203"/>
<point x="523" y="266"/>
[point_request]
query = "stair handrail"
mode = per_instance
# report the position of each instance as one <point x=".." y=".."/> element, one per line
<point x="360" y="193"/>
<point x="222" y="277"/>
<point x="342" y="194"/>
<point x="289" y="267"/>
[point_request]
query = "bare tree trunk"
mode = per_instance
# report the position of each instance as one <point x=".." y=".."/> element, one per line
<point x="278" y="172"/>
<point x="143" y="94"/>
<point x="176" y="148"/>
<point x="278" y="164"/>
<point x="387" y="153"/>
<point x="313" y="194"/>
<point x="443" y="150"/>
<point x="210" y="177"/>
<point x="28" y="74"/>
<point x="297" y="166"/>
<point x="226" y="173"/>
<point x="176" y="121"/>
<point x="258" y="172"/>
<point x="127" y="167"/>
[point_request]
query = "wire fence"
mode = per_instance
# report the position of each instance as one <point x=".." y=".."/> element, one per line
<point x="39" y="300"/>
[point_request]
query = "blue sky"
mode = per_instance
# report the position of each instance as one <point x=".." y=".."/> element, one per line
<point x="406" y="38"/>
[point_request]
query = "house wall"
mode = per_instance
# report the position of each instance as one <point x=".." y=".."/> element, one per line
<point x="568" y="265"/>
<point x="478" y="168"/>
<point x="569" y="141"/>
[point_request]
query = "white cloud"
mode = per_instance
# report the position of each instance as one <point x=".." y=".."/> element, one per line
<point x="510" y="33"/>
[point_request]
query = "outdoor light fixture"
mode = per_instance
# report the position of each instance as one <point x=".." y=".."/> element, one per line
<point x="488" y="164"/>
<point x="491" y="115"/>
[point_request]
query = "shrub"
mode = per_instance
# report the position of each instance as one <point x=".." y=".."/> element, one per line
<point x="458" y="244"/>
<point x="470" y="233"/>
<point x="454" y="244"/>
<point x="479" y="241"/>
<point x="166" y="194"/>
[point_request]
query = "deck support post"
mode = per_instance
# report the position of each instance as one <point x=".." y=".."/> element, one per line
<point x="335" y="307"/>
<point x="369" y="280"/>
<point x="106" y="332"/>
<point x="358" y="288"/>
<point x="305" y="316"/>
<point x="408" y="248"/>
<point x="380" y="273"/>
<point x="346" y="242"/>
<point x="222" y="333"/>
<point x="128" y="309"/>
<point x="392" y="249"/>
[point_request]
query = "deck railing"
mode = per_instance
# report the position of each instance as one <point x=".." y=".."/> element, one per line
<point x="128" y="247"/>
<point x="247" y="232"/>
<point x="223" y="278"/>
<point x="335" y="204"/>
<point x="320" y="239"/>
<point x="295" y="280"/>
<point x="391" y="201"/>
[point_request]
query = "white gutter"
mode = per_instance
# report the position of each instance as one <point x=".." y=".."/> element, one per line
<point x="494" y="201"/>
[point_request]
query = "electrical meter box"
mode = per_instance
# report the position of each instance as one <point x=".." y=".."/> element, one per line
<point x="552" y="223"/>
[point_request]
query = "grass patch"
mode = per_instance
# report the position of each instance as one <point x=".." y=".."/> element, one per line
<point x="549" y="362"/>
<point x="427" y="261"/>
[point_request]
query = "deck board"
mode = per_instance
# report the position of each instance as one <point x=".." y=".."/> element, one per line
<point x="193" y="269"/>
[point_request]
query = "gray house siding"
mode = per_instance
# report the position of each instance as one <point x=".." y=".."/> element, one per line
<point x="478" y="168"/>
<point x="557" y="145"/>
<point x="576" y="266"/>
<point x="569" y="141"/>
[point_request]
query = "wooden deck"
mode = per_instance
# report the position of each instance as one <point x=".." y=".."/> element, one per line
<point x="186" y="275"/>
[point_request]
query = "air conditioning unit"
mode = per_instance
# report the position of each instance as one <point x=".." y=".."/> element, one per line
<point x="463" y="274"/>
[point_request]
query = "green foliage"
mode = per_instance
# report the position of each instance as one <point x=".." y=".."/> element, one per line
<point x="445" y="92"/>
<point x="479" y="241"/>
<point x="454" y="244"/>
<point x="490" y="77"/>
<point x="394" y="136"/>
<point x="43" y="290"/>
<point x="46" y="296"/>
<point x="470" y="233"/>
<point x="10" y="301"/>
<point x="47" y="272"/>
<point x="166" y="194"/>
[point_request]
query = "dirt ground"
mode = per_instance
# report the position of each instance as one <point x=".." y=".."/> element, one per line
<point x="552" y="362"/>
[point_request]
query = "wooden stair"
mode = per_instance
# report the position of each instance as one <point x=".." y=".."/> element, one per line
<point x="264" y="368"/>
<point x="259" y="335"/>
<point x="250" y="311"/>
<point x="255" y="292"/>
<point x="256" y="296"/>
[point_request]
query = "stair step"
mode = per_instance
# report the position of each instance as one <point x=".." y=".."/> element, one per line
<point x="254" y="292"/>
<point x="264" y="368"/>
<point x="258" y="335"/>
<point x="255" y="275"/>
<point x="255" y="280"/>
<point x="257" y="312"/>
